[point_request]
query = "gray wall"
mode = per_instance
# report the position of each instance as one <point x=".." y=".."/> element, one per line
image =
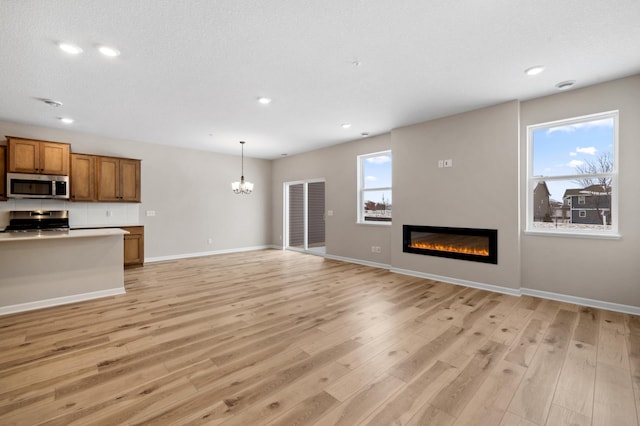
<point x="338" y="165"/>
<point x="488" y="148"/>
<point x="479" y="191"/>
<point x="597" y="269"/>
<point x="189" y="190"/>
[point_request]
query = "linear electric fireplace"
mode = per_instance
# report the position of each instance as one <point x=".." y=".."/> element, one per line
<point x="478" y="245"/>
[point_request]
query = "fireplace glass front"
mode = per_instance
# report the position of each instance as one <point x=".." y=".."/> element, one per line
<point x="478" y="245"/>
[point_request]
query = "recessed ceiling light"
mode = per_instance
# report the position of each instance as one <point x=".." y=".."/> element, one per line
<point x="109" y="51"/>
<point x="564" y="85"/>
<point x="345" y="125"/>
<point x="70" y="48"/>
<point x="364" y="134"/>
<point x="66" y="120"/>
<point x="264" y="101"/>
<point x="534" y="70"/>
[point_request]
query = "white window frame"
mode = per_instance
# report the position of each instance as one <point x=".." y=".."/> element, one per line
<point x="582" y="213"/>
<point x="361" y="191"/>
<point x="532" y="181"/>
<point x="581" y="199"/>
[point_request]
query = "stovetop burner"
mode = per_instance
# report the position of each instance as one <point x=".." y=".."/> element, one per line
<point x="38" y="220"/>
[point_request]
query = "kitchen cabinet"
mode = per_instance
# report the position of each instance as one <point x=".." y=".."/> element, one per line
<point x="134" y="246"/>
<point x="118" y="179"/>
<point x="83" y="177"/>
<point x="3" y="173"/>
<point x="34" y="156"/>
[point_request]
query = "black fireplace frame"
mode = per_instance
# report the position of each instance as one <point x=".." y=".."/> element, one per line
<point x="492" y="234"/>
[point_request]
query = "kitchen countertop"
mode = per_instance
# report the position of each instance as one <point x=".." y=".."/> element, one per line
<point x="101" y="226"/>
<point x="52" y="235"/>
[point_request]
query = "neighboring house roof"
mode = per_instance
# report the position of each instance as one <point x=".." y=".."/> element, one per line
<point x="589" y="190"/>
<point x="596" y="190"/>
<point x="543" y="186"/>
<point x="572" y="192"/>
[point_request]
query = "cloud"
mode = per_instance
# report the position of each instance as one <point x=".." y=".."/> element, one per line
<point x="371" y="178"/>
<point x="575" y="163"/>
<point x="573" y="154"/>
<point x="591" y="150"/>
<point x="379" y="160"/>
<point x="570" y="128"/>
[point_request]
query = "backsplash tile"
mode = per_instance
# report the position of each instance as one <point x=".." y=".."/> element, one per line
<point x="80" y="214"/>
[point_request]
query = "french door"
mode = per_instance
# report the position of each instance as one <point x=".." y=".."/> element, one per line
<point x="304" y="216"/>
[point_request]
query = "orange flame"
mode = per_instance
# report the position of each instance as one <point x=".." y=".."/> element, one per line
<point x="450" y="248"/>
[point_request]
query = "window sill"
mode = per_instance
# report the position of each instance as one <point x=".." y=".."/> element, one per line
<point x="373" y="223"/>
<point x="602" y="236"/>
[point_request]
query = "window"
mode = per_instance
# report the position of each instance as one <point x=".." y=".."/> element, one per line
<point x="572" y="176"/>
<point x="374" y="188"/>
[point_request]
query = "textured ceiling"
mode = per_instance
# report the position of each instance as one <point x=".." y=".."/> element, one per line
<point x="191" y="70"/>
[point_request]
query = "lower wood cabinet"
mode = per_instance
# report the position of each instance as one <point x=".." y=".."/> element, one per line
<point x="133" y="246"/>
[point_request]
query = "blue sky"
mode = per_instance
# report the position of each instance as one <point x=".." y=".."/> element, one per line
<point x="377" y="174"/>
<point x="377" y="171"/>
<point x="558" y="150"/>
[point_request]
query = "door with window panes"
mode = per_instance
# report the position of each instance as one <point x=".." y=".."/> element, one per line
<point x="305" y="216"/>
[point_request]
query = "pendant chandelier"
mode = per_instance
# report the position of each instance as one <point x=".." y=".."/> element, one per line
<point x="242" y="187"/>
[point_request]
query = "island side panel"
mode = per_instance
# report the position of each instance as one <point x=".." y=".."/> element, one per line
<point x="45" y="272"/>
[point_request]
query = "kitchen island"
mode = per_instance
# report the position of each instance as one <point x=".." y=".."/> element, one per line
<point x="40" y="269"/>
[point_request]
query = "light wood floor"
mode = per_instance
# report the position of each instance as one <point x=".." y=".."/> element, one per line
<point x="283" y="338"/>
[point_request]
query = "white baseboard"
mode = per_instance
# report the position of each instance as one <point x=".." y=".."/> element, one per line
<point x="205" y="253"/>
<point x="608" y="306"/>
<point x="465" y="283"/>
<point x="357" y="261"/>
<point x="30" y="306"/>
<point x="583" y="301"/>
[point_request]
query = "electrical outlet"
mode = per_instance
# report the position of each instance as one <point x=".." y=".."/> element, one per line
<point x="108" y="213"/>
<point x="448" y="163"/>
<point x="373" y="249"/>
<point x="151" y="212"/>
<point x="440" y="163"/>
<point x="210" y="241"/>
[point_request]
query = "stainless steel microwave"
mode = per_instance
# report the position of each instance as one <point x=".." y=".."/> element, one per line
<point x="23" y="185"/>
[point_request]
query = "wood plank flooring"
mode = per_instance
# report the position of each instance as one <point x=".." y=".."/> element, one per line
<point x="283" y="338"/>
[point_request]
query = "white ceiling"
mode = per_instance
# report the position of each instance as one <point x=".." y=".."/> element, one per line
<point x="191" y="70"/>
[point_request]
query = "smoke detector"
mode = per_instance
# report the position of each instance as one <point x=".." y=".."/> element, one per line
<point x="564" y="85"/>
<point x="51" y="102"/>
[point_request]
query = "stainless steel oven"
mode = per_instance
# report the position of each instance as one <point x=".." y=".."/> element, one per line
<point x="23" y="185"/>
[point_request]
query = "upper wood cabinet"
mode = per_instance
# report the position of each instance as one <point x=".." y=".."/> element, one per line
<point x="118" y="179"/>
<point x="33" y="156"/>
<point x="3" y="173"/>
<point x="83" y="177"/>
